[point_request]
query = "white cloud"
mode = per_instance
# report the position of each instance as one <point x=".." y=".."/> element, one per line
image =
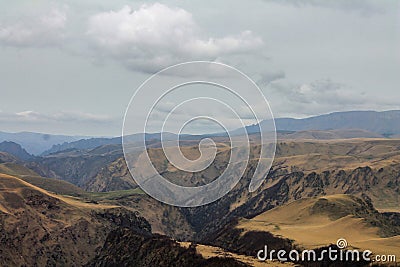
<point x="156" y="36"/>
<point x="44" y="30"/>
<point x="64" y="116"/>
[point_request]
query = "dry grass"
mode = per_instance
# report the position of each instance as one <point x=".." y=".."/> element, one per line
<point x="309" y="230"/>
<point x="210" y="251"/>
<point x="321" y="155"/>
<point x="18" y="184"/>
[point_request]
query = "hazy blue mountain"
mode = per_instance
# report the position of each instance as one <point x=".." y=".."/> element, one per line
<point x="15" y="150"/>
<point x="82" y="144"/>
<point x="36" y="143"/>
<point x="386" y="123"/>
<point x="96" y="142"/>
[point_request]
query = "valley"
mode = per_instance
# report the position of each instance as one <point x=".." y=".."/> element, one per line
<point x="316" y="192"/>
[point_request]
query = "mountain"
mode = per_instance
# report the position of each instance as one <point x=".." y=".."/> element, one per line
<point x="386" y="123"/>
<point x="125" y="247"/>
<point x="328" y="134"/>
<point x="373" y="123"/>
<point x="91" y="143"/>
<point x="77" y="166"/>
<point x="38" y="228"/>
<point x="82" y="144"/>
<point x="36" y="143"/>
<point x="52" y="185"/>
<point x="320" y="221"/>
<point x="114" y="176"/>
<point x="312" y="223"/>
<point x="16" y="150"/>
<point x="301" y="169"/>
<point x="365" y="170"/>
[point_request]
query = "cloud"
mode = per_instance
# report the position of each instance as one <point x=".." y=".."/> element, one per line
<point x="59" y="117"/>
<point x="362" y="6"/>
<point x="321" y="96"/>
<point x="319" y="92"/>
<point x="45" y="30"/>
<point x="268" y="77"/>
<point x="156" y="36"/>
<point x="64" y="122"/>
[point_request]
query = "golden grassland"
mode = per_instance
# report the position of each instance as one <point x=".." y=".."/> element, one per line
<point x="309" y="229"/>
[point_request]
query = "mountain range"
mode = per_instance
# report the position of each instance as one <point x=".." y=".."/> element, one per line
<point x="350" y="124"/>
<point x="36" y="143"/>
<point x="81" y="207"/>
<point x="386" y="123"/>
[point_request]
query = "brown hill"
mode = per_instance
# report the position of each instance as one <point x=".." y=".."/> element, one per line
<point x="125" y="247"/>
<point x="43" y="229"/>
<point x="320" y="221"/>
<point x="5" y="157"/>
<point x="52" y="185"/>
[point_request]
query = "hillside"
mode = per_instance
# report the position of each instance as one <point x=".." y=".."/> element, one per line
<point x="77" y="166"/>
<point x="16" y="150"/>
<point x="40" y="228"/>
<point x="163" y="218"/>
<point x="112" y="177"/>
<point x="5" y="157"/>
<point x="128" y="248"/>
<point x="320" y="221"/>
<point x="52" y="185"/>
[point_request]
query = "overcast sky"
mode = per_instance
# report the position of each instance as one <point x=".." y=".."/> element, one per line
<point x="70" y="67"/>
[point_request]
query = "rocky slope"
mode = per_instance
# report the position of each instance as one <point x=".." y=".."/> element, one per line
<point x="312" y="223"/>
<point x="5" y="157"/>
<point x="112" y="177"/>
<point x="125" y="247"/>
<point x="76" y="166"/>
<point x="38" y="228"/>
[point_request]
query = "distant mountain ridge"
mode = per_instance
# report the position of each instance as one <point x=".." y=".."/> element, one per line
<point x="367" y="123"/>
<point x="328" y="134"/>
<point x="92" y="143"/>
<point x="36" y="143"/>
<point x="83" y="144"/>
<point x="386" y="123"/>
<point x="15" y="150"/>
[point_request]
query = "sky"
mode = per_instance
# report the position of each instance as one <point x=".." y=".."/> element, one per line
<point x="71" y="67"/>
